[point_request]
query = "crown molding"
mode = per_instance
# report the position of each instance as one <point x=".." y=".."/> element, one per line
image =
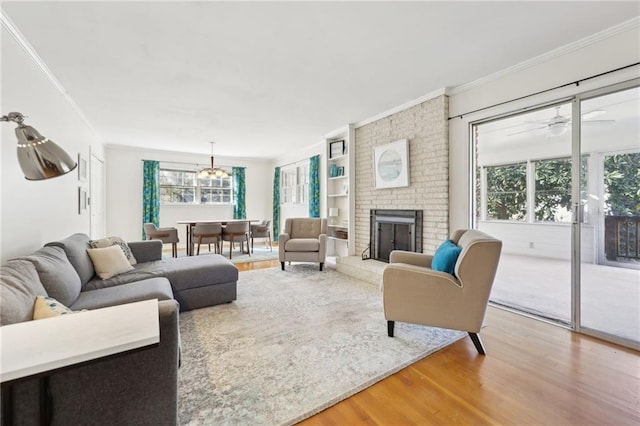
<point x="561" y="51"/>
<point x="17" y="35"/>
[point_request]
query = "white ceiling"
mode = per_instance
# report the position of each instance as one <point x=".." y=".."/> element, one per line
<point x="265" y="79"/>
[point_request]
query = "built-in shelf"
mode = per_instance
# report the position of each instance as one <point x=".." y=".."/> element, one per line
<point x="340" y="201"/>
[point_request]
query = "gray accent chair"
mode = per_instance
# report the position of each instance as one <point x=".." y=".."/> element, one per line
<point x="261" y="230"/>
<point x="416" y="294"/>
<point x="304" y="239"/>
<point x="166" y="235"/>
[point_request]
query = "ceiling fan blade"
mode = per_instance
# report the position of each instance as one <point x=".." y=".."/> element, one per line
<point x="597" y="122"/>
<point x="528" y="130"/>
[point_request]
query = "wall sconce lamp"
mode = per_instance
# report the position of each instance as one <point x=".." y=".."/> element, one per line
<point x="39" y="157"/>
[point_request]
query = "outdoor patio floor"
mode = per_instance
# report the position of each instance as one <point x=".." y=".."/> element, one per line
<point x="610" y="296"/>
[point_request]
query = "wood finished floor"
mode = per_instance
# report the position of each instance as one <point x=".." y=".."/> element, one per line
<point x="534" y="374"/>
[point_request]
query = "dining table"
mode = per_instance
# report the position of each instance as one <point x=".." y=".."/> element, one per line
<point x="191" y="223"/>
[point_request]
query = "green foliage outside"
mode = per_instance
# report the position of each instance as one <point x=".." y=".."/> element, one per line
<point x="622" y="184"/>
<point x="507" y="192"/>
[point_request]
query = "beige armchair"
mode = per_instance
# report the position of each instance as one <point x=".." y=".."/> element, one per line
<point x="414" y="293"/>
<point x="304" y="239"/>
<point x="166" y="235"/>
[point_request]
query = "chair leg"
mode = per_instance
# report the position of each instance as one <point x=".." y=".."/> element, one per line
<point x="270" y="243"/>
<point x="475" y="338"/>
<point x="251" y="244"/>
<point x="390" y="325"/>
<point x="282" y="265"/>
<point x="321" y="265"/>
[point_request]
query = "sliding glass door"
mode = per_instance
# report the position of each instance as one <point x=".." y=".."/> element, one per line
<point x="523" y="170"/>
<point x="609" y="230"/>
<point x="560" y="186"/>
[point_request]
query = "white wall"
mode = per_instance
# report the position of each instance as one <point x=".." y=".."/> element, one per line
<point x="124" y="191"/>
<point x="36" y="212"/>
<point x="617" y="50"/>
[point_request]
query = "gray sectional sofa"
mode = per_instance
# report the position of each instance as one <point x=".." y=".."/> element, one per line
<point x="137" y="388"/>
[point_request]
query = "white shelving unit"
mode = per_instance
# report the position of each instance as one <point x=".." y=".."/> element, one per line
<point x="340" y="201"/>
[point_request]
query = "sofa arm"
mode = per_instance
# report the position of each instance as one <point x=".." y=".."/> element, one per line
<point x="140" y="387"/>
<point x="146" y="251"/>
<point x="282" y="241"/>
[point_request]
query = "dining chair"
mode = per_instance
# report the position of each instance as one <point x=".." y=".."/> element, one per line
<point x="261" y="230"/>
<point x="236" y="232"/>
<point x="207" y="233"/>
<point x="166" y="235"/>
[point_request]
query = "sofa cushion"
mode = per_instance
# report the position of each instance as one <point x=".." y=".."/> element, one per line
<point x="191" y="272"/>
<point x="48" y="307"/>
<point x="112" y="241"/>
<point x="445" y="257"/>
<point x="19" y="286"/>
<point x="57" y="275"/>
<point x="302" y="244"/>
<point x="305" y="228"/>
<point x="109" y="261"/>
<point x="75" y="248"/>
<point x="141" y="271"/>
<point x="153" y="288"/>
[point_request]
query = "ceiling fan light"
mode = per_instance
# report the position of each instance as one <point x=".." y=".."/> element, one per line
<point x="558" y="129"/>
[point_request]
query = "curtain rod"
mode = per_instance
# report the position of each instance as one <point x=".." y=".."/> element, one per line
<point x="577" y="83"/>
<point x="293" y="163"/>
<point x="185" y="162"/>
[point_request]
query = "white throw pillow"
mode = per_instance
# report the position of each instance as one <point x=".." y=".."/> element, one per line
<point x="109" y="261"/>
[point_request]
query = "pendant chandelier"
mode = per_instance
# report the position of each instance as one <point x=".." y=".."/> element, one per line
<point x="212" y="172"/>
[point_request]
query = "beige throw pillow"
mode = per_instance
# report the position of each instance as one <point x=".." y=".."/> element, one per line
<point x="109" y="261"/>
<point x="48" y="307"/>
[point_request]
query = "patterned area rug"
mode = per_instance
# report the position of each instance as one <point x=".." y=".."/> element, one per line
<point x="293" y="344"/>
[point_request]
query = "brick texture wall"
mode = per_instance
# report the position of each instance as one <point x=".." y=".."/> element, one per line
<point x="426" y="127"/>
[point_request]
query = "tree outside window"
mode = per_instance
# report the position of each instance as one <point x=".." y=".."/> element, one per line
<point x="507" y="192"/>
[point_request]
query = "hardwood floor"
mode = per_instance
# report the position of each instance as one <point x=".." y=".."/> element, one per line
<point x="534" y="373"/>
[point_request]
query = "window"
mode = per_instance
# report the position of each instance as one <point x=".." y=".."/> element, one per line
<point x="553" y="190"/>
<point x="506" y="194"/>
<point x="294" y="185"/>
<point x="183" y="187"/>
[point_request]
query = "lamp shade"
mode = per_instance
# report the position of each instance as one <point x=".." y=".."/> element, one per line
<point x="333" y="211"/>
<point x="39" y="157"/>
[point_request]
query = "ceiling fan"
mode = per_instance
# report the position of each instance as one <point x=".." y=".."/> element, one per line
<point x="559" y="124"/>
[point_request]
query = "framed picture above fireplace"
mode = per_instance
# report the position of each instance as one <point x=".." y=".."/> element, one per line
<point x="391" y="162"/>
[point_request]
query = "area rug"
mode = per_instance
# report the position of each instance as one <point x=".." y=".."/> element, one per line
<point x="294" y="343"/>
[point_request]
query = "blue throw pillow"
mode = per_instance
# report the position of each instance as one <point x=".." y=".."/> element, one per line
<point x="445" y="258"/>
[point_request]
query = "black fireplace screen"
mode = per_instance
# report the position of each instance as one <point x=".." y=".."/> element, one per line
<point x="394" y="230"/>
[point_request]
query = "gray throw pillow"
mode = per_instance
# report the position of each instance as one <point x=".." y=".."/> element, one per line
<point x="57" y="275"/>
<point x="112" y="241"/>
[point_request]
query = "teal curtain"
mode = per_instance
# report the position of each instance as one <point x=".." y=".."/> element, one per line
<point x="240" y="208"/>
<point x="150" y="193"/>
<point x="314" y="186"/>
<point x="276" y="204"/>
